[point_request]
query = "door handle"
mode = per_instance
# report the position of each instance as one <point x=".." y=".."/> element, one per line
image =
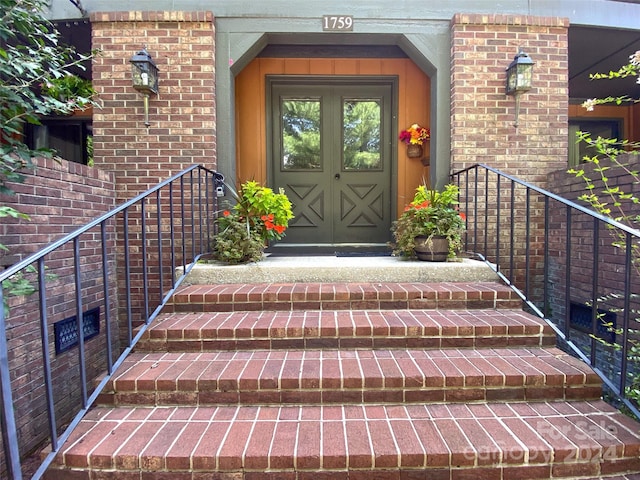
<point x="337" y="176"/>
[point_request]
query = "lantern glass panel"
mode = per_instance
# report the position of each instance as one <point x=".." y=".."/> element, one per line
<point x="152" y="78"/>
<point x="511" y="80"/>
<point x="524" y="76"/>
<point x="136" y="74"/>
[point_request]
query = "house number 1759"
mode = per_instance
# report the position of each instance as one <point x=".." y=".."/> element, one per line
<point x="337" y="22"/>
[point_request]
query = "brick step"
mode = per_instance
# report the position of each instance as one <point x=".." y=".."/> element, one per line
<point x="342" y="296"/>
<point x="351" y="376"/>
<point x="189" y="332"/>
<point x="352" y="442"/>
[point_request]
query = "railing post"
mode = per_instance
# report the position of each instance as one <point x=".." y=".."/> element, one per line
<point x="594" y="289"/>
<point x="512" y="231"/>
<point x="193" y="217"/>
<point x="46" y="363"/>
<point x="208" y="205"/>
<point x="466" y="209"/>
<point x="498" y="222"/>
<point x="127" y="277"/>
<point x="159" y="221"/>
<point x="172" y="232"/>
<point x="475" y="211"/>
<point x="545" y="286"/>
<point x="9" y="430"/>
<point x="145" y="270"/>
<point x="627" y="313"/>
<point x="182" y="219"/>
<point x="527" y="255"/>
<point x="486" y="213"/>
<point x="107" y="295"/>
<point x="80" y="322"/>
<point x="567" y="275"/>
<point x="200" y="215"/>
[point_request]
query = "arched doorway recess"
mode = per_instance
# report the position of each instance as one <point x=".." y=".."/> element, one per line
<point x="409" y="102"/>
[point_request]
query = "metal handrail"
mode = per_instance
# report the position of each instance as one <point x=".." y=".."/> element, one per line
<point x="196" y="182"/>
<point x="486" y="223"/>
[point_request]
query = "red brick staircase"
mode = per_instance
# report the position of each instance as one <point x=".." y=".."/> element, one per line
<point x="379" y="380"/>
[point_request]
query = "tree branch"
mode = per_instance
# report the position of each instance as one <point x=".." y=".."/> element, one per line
<point x="78" y="5"/>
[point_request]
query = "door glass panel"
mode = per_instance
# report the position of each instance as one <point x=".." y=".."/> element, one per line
<point x="361" y="131"/>
<point x="300" y="134"/>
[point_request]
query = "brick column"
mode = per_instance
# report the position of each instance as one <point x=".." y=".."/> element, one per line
<point x="182" y="115"/>
<point x="482" y="115"/>
<point x="482" y="124"/>
<point x="182" y="130"/>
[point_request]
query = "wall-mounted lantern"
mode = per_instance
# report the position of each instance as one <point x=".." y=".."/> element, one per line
<point x="145" y="78"/>
<point x="519" y="78"/>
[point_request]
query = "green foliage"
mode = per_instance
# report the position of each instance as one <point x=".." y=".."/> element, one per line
<point x="431" y="213"/>
<point x="616" y="202"/>
<point x="267" y="212"/>
<point x="68" y="87"/>
<point x="235" y="242"/>
<point x="32" y="60"/>
<point x="612" y="201"/>
<point x="259" y="215"/>
<point x="31" y="57"/>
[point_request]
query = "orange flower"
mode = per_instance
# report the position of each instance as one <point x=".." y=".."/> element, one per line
<point x="226" y="213"/>
<point x="463" y="215"/>
<point x="280" y="228"/>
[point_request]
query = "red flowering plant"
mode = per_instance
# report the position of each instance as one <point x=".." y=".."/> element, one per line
<point x="415" y="135"/>
<point x="431" y="213"/>
<point x="259" y="216"/>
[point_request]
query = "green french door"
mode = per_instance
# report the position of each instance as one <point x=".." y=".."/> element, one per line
<point x="331" y="152"/>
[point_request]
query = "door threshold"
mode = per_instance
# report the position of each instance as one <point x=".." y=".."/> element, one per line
<point x="333" y="249"/>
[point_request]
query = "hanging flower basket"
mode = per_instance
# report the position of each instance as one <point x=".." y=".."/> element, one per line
<point x="414" y="137"/>
<point x="414" y="150"/>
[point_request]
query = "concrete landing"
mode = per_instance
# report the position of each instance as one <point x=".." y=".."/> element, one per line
<point x="327" y="268"/>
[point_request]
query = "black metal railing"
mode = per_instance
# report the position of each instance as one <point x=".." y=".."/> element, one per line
<point x="123" y="266"/>
<point x="570" y="265"/>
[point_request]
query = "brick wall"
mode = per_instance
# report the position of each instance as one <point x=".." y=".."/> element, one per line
<point x="59" y="197"/>
<point x="482" y="115"/>
<point x="609" y="269"/>
<point x="182" y="115"/>
<point x="611" y="265"/>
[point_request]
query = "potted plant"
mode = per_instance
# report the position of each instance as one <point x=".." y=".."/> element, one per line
<point x="414" y="137"/>
<point x="259" y="216"/>
<point x="431" y="226"/>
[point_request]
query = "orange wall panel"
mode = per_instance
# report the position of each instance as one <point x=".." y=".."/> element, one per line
<point x="414" y="103"/>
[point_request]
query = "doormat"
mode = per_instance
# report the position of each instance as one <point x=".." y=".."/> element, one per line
<point x="363" y="254"/>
